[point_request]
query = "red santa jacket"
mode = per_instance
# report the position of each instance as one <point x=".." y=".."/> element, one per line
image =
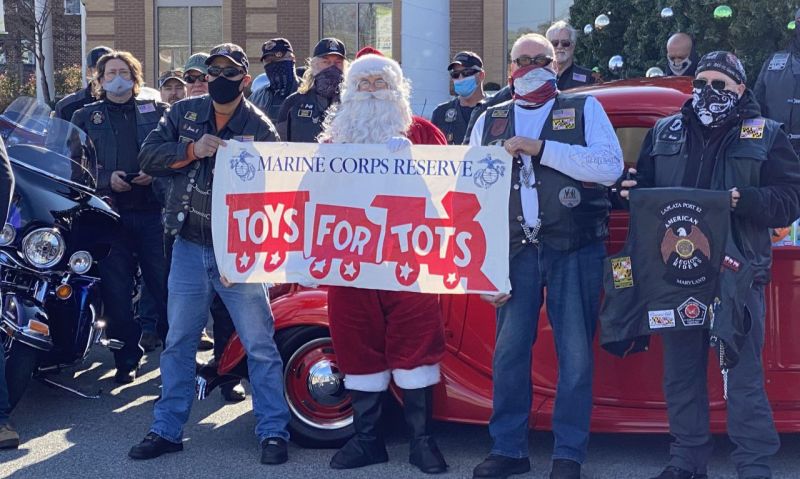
<point x="423" y="132"/>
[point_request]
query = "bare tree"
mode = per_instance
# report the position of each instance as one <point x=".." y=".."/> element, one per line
<point x="34" y="17"/>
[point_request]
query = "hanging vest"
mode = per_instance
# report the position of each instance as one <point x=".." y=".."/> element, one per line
<point x="679" y="270"/>
<point x="573" y="213"/>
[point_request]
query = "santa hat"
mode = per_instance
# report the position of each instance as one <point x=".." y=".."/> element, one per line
<point x="367" y="51"/>
<point x="372" y="64"/>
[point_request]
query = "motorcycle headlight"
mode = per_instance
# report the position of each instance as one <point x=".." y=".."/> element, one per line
<point x="7" y="235"/>
<point x="80" y="262"/>
<point x="43" y="247"/>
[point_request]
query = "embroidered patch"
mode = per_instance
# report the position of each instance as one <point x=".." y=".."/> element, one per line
<point x="731" y="263"/>
<point x="190" y="115"/>
<point x="185" y="139"/>
<point x="450" y="115"/>
<point x="622" y="272"/>
<point x="564" y="119"/>
<point x="498" y="126"/>
<point x="190" y="128"/>
<point x="676" y="125"/>
<point x="569" y="196"/>
<point x="450" y="137"/>
<point x="98" y="117"/>
<point x="692" y="312"/>
<point x="147" y="108"/>
<point x="579" y="77"/>
<point x="244" y="138"/>
<point x="500" y="113"/>
<point x="685" y="245"/>
<point x="778" y="61"/>
<point x="753" y="129"/>
<point x="304" y="113"/>
<point x="664" y="318"/>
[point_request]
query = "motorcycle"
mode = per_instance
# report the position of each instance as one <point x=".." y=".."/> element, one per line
<point x="56" y="231"/>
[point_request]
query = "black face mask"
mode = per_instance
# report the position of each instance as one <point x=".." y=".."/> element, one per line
<point x="281" y="75"/>
<point x="714" y="107"/>
<point x="328" y="81"/>
<point x="223" y="90"/>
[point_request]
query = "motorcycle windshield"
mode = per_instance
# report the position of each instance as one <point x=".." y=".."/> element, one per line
<point x="48" y="145"/>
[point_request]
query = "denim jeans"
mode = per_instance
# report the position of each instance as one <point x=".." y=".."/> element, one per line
<point x="193" y="280"/>
<point x="750" y="425"/>
<point x="573" y="281"/>
<point x="140" y="244"/>
<point x="5" y="407"/>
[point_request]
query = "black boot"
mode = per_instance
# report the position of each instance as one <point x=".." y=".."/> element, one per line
<point x="424" y="453"/>
<point x="367" y="446"/>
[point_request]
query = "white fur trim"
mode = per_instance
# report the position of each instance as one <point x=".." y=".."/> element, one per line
<point x="370" y="383"/>
<point x="372" y="64"/>
<point x="419" y="377"/>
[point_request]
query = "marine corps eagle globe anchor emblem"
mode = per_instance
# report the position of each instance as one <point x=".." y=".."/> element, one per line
<point x="243" y="168"/>
<point x="491" y="174"/>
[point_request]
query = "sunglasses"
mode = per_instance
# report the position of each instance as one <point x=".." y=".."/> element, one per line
<point x="227" y="72"/>
<point x="700" y="83"/>
<point x="540" y="60"/>
<point x="468" y="72"/>
<point x="564" y="43"/>
<point x="194" y="78"/>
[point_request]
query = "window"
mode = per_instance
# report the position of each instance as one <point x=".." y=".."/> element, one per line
<point x="358" y="24"/>
<point x="522" y="18"/>
<point x="72" y="7"/>
<point x="28" y="57"/>
<point x="184" y="28"/>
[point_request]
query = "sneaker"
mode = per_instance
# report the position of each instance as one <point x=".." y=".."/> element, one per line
<point x="153" y="446"/>
<point x="274" y="451"/>
<point x="672" y="472"/>
<point x="500" y="467"/>
<point x="149" y="341"/>
<point x="233" y="392"/>
<point x="565" y="469"/>
<point x="9" y="439"/>
<point x="125" y="376"/>
<point x="206" y="343"/>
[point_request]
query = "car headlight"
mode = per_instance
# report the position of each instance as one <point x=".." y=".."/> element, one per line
<point x="80" y="262"/>
<point x="43" y="247"/>
<point x="7" y="235"/>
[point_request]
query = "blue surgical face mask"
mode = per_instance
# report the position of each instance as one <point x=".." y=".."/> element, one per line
<point x="464" y="87"/>
<point x="118" y="86"/>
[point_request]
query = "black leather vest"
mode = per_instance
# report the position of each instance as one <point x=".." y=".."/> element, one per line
<point x="448" y="118"/>
<point x="306" y="116"/>
<point x="782" y="98"/>
<point x="573" y="213"/>
<point x="740" y="158"/>
<point x="680" y="269"/>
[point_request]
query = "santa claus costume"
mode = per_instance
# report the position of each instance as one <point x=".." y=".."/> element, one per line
<point x="380" y="335"/>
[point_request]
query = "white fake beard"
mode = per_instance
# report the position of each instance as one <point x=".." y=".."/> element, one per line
<point x="368" y="117"/>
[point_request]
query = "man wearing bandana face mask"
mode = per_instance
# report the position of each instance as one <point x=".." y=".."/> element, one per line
<point x="118" y="125"/>
<point x="720" y="141"/>
<point x="778" y="87"/>
<point x="302" y="114"/>
<point x="565" y="154"/>
<point x="184" y="146"/>
<point x="681" y="55"/>
<point x="278" y="60"/>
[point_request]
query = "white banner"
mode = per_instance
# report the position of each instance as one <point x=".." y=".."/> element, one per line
<point x="430" y="218"/>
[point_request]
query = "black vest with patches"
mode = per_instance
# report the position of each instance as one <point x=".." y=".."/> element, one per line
<point x="740" y="157"/>
<point x="306" y="117"/>
<point x="573" y="213"/>
<point x="679" y="269"/>
<point x="448" y="118"/>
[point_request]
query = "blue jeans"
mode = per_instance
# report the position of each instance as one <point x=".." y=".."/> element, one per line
<point x="193" y="280"/>
<point x="573" y="281"/>
<point x="5" y="407"/>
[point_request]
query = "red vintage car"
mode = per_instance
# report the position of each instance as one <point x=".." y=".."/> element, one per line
<point x="627" y="392"/>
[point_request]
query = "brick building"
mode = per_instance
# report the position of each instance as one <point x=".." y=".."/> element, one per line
<point x="163" y="33"/>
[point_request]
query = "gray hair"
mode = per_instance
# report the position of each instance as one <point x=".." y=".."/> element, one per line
<point x="562" y="25"/>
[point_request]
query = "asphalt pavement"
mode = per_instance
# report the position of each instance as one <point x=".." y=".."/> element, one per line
<point x="66" y="436"/>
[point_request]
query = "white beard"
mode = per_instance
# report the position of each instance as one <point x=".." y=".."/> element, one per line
<point x="368" y="117"/>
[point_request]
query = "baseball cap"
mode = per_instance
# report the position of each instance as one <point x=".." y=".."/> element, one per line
<point x="275" y="46"/>
<point x="330" y="46"/>
<point x="197" y="62"/>
<point x="95" y="54"/>
<point x="170" y="75"/>
<point x="466" y="60"/>
<point x="232" y="52"/>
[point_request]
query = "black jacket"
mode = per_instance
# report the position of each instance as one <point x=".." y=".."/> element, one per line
<point x="270" y="101"/>
<point x="574" y="76"/>
<point x="761" y="164"/>
<point x="67" y="106"/>
<point x="94" y="120"/>
<point x="184" y="123"/>
<point x="448" y="118"/>
<point x="301" y="117"/>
